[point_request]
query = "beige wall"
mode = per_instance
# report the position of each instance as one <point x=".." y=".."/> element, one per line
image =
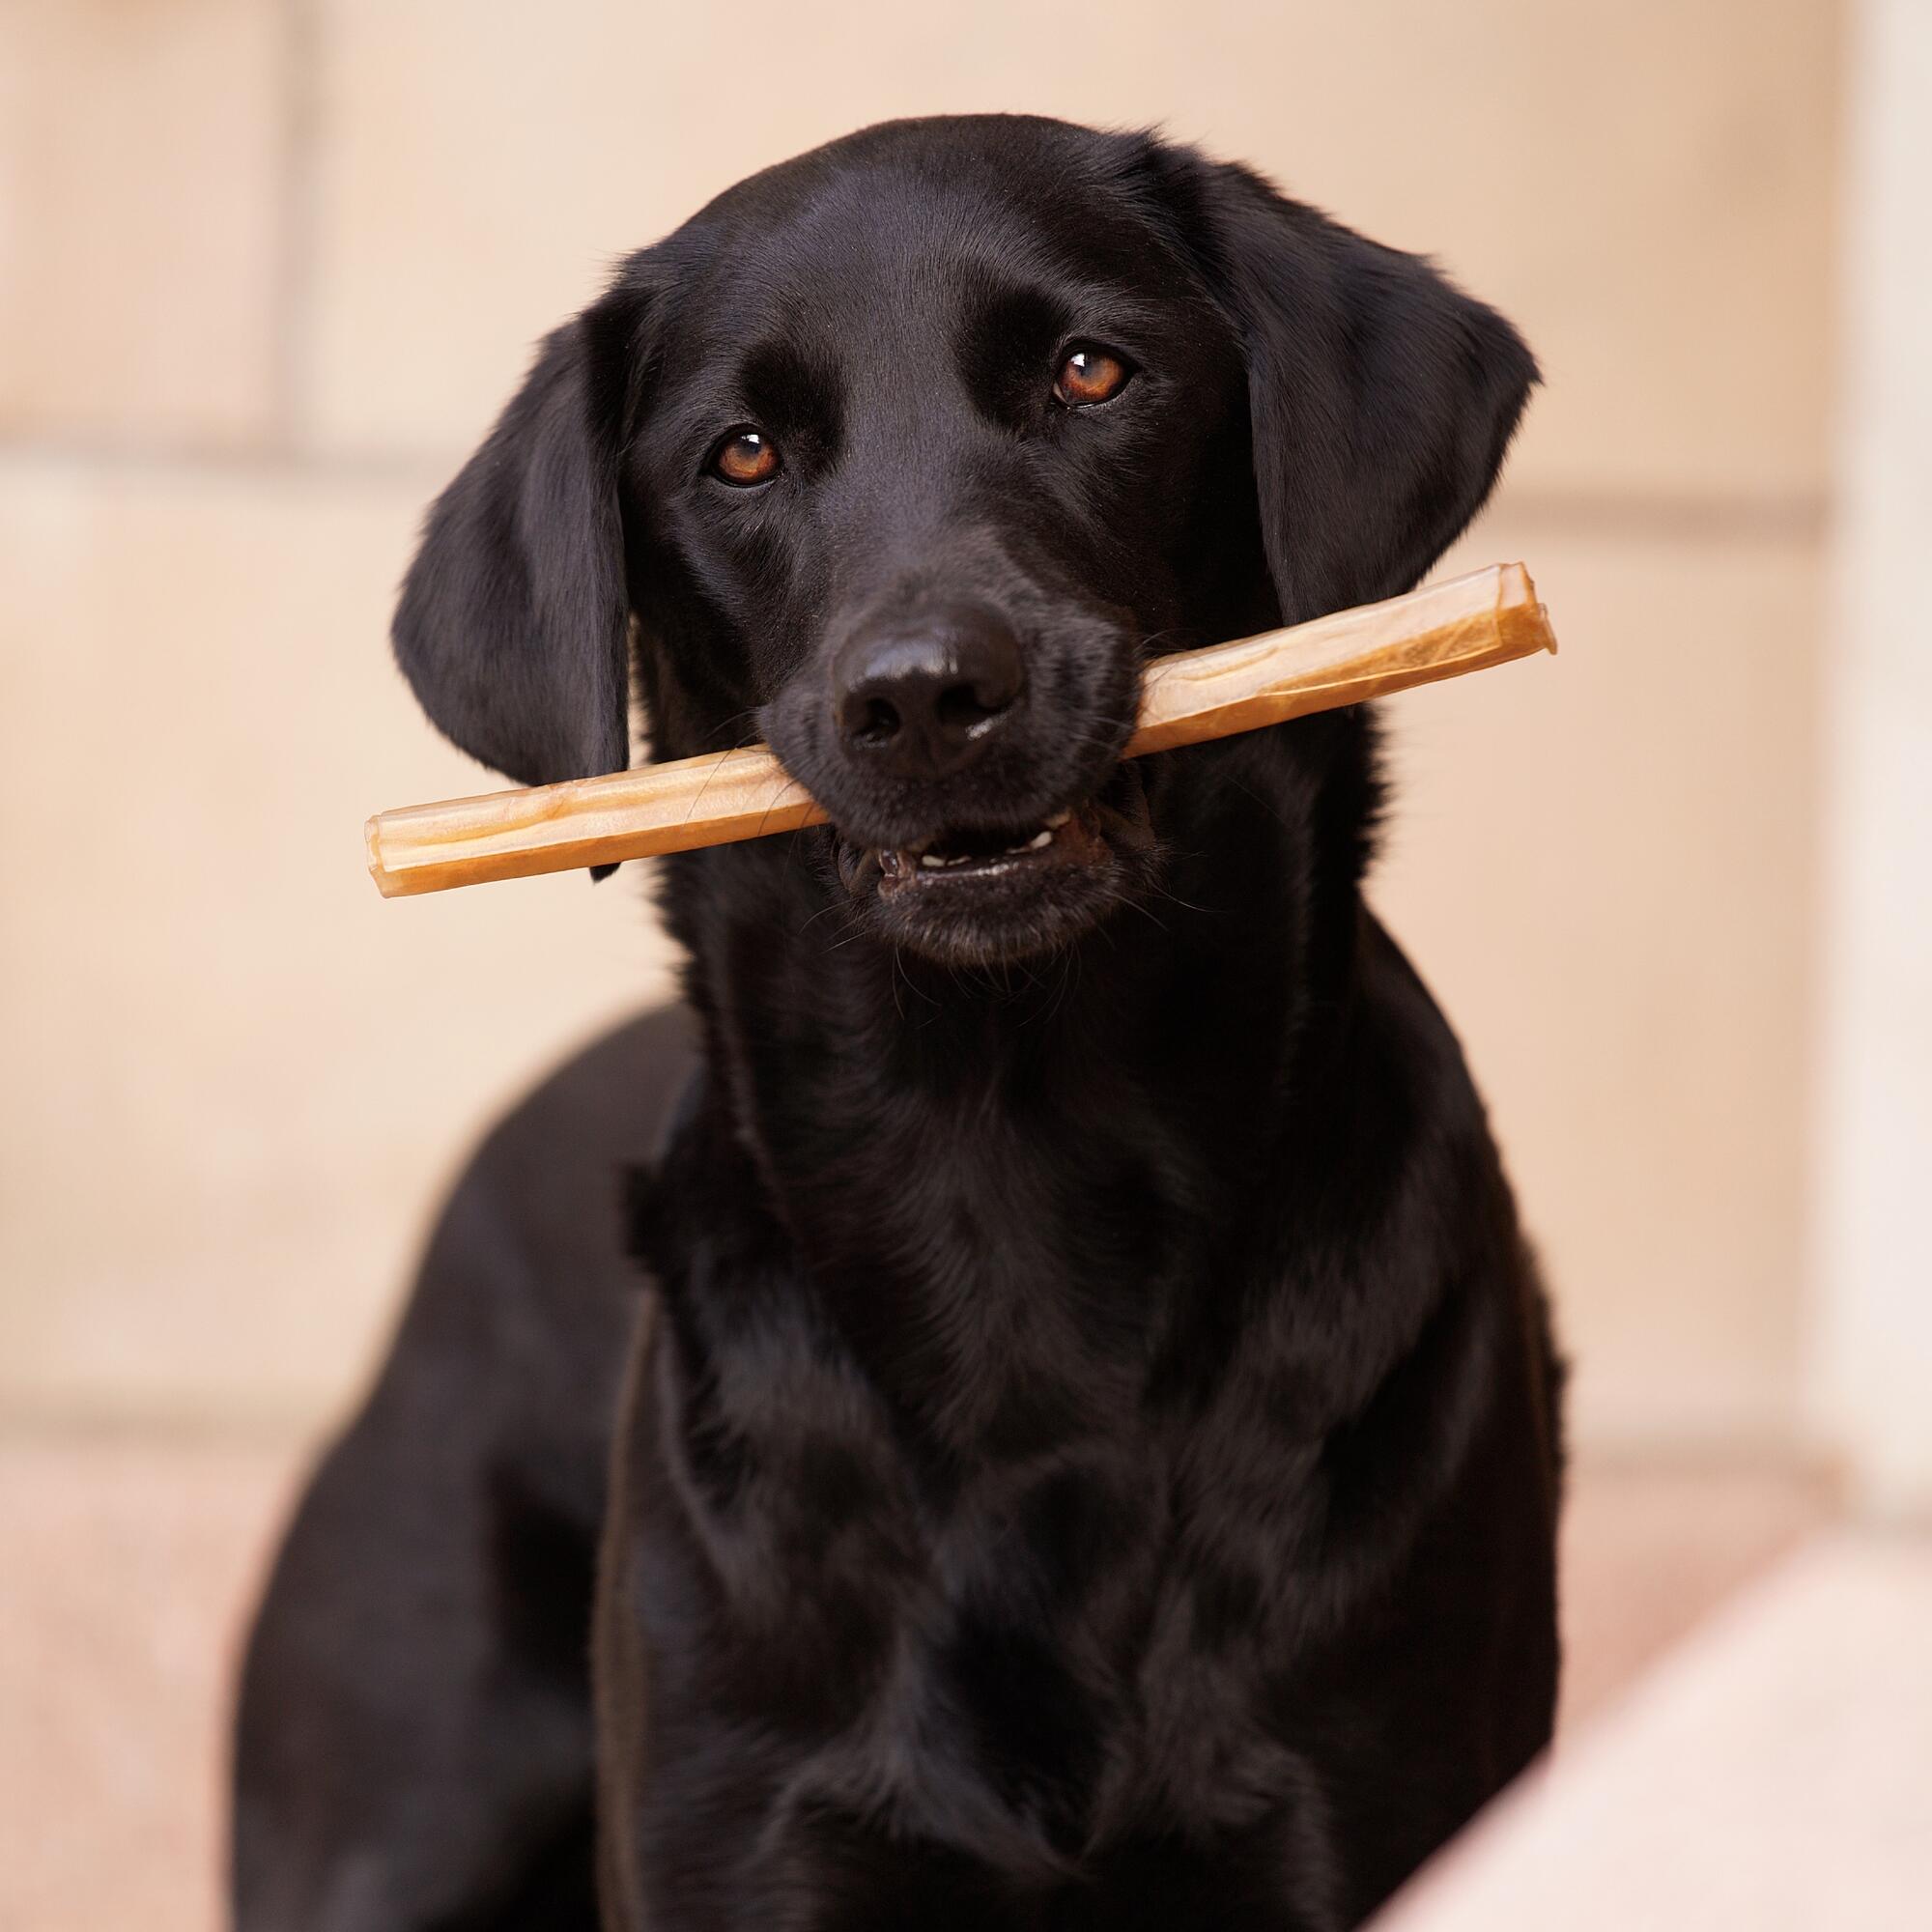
<point x="1871" y="1307"/>
<point x="266" y="270"/>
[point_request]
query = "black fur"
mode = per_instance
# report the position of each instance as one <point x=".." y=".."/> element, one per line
<point x="1095" y="1460"/>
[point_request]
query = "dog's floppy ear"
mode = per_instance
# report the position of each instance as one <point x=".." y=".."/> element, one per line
<point x="514" y="618"/>
<point x="1380" y="397"/>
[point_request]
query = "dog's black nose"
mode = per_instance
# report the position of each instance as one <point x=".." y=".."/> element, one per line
<point x="924" y="696"/>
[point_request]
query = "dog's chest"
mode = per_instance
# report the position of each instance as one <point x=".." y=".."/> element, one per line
<point x="975" y="1535"/>
<point x="1102" y="1649"/>
<point x="1080" y="1626"/>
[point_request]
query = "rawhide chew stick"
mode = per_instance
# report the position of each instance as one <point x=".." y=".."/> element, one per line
<point x="1442" y="630"/>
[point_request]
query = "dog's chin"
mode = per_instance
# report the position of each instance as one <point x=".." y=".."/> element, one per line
<point x="994" y="896"/>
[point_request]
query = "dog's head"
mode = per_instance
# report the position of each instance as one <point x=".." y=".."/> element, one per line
<point x="906" y="455"/>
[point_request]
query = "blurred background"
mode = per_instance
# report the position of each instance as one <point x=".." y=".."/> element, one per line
<point x="268" y="269"/>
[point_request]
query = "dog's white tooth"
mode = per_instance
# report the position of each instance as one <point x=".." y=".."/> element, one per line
<point x="930" y="860"/>
<point x="1039" y="839"/>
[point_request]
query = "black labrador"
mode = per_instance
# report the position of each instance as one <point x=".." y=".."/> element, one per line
<point x="1090" y="1453"/>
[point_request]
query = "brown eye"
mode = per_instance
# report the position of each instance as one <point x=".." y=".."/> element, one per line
<point x="744" y="456"/>
<point x="1090" y="376"/>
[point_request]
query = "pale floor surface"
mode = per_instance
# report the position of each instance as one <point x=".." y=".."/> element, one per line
<point x="1773" y="1773"/>
<point x="128" y="1566"/>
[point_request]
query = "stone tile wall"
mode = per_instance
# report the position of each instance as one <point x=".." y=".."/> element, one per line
<point x="266" y="269"/>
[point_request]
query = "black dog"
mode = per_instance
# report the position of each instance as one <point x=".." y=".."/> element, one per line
<point x="1093" y="1459"/>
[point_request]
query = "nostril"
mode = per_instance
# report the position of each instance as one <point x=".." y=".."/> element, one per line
<point x="867" y="718"/>
<point x="962" y="706"/>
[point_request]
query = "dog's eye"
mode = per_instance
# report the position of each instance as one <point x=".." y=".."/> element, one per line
<point x="744" y="456"/>
<point x="1090" y="375"/>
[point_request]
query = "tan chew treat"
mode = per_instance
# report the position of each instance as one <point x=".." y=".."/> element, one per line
<point x="1486" y="618"/>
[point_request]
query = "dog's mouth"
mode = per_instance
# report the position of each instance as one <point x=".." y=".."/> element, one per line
<point x="1067" y="838"/>
<point x="989" y="893"/>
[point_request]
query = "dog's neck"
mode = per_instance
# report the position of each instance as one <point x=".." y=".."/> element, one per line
<point x="1093" y="1132"/>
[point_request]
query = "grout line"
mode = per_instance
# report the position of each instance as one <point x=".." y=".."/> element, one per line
<point x="83" y="1424"/>
<point x="217" y="461"/>
<point x="295" y="269"/>
<point x="1688" y="517"/>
